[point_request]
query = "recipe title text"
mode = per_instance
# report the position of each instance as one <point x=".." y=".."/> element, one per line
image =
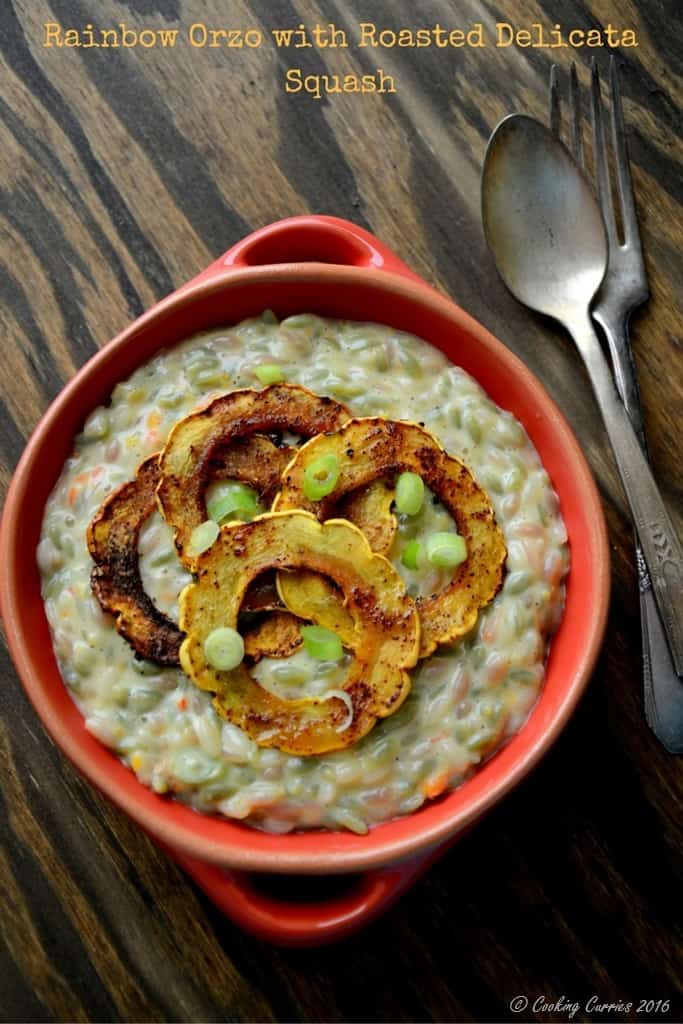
<point x="366" y="35"/>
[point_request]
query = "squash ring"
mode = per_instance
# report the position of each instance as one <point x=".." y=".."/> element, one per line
<point x="196" y="444"/>
<point x="369" y="508"/>
<point x="276" y="636"/>
<point x="115" y="579"/>
<point x="255" y="461"/>
<point x="374" y="447"/>
<point x="113" y="536"/>
<point x="309" y="595"/>
<point x="385" y="642"/>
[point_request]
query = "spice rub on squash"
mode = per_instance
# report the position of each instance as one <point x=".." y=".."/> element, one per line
<point x="371" y="448"/>
<point x="115" y="579"/>
<point x="255" y="461"/>
<point x="384" y="642"/>
<point x="113" y="536"/>
<point x="309" y="595"/>
<point x="247" y="456"/>
<point x="194" y="451"/>
<point x="277" y="635"/>
<point x="369" y="508"/>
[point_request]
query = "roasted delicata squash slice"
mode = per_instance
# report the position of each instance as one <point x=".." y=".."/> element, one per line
<point x="371" y="448"/>
<point x="255" y="461"/>
<point x="196" y="447"/>
<point x="276" y="636"/>
<point x="369" y="508"/>
<point x="309" y="595"/>
<point x="385" y="640"/>
<point x="115" y="579"/>
<point x="113" y="538"/>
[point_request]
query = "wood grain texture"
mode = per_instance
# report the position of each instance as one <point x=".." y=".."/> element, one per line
<point x="122" y="174"/>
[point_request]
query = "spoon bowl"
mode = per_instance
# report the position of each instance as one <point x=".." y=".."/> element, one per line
<point x="541" y="219"/>
<point x="548" y="238"/>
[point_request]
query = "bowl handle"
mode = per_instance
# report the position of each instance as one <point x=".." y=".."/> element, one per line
<point x="309" y="239"/>
<point x="245" y="899"/>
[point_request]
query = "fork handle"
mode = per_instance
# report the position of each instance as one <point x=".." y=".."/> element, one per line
<point x="625" y="375"/>
<point x="661" y="547"/>
<point x="626" y="380"/>
<point x="663" y="690"/>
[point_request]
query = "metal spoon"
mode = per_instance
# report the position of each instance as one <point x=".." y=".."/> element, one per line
<point x="547" y="236"/>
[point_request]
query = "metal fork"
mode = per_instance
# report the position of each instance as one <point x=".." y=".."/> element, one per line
<point x="623" y="289"/>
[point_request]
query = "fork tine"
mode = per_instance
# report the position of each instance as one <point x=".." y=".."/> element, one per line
<point x="575" y="98"/>
<point x="600" y="157"/>
<point x="624" y="183"/>
<point x="555" y="115"/>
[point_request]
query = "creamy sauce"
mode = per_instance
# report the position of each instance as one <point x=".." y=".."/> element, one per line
<point x="466" y="699"/>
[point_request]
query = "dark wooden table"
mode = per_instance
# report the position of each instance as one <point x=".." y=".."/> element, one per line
<point x="124" y="172"/>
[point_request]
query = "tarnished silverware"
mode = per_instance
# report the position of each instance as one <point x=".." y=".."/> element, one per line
<point x="547" y="236"/>
<point x="625" y="287"/>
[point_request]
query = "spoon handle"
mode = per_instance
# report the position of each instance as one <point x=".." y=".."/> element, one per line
<point x="662" y="689"/>
<point x="660" y="544"/>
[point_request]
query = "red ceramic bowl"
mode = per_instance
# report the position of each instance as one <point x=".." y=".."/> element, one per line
<point x="333" y="268"/>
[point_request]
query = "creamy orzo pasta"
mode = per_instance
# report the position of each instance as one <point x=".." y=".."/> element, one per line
<point x="466" y="699"/>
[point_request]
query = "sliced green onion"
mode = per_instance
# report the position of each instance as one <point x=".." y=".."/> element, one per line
<point x="320" y="477"/>
<point x="411" y="554"/>
<point x="202" y="538"/>
<point x="269" y="373"/>
<point x="322" y="644"/>
<point x="224" y="648"/>
<point x="410" y="492"/>
<point x="446" y="550"/>
<point x="233" y="498"/>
